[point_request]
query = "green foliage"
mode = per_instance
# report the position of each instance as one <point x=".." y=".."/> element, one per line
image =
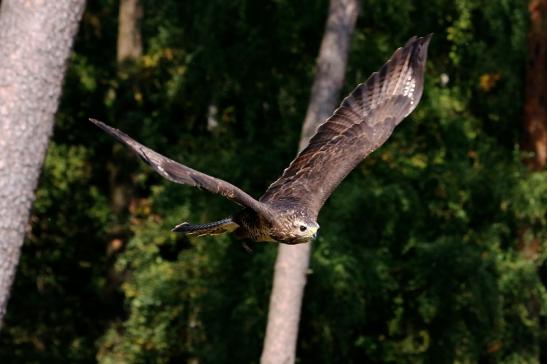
<point x="432" y="251"/>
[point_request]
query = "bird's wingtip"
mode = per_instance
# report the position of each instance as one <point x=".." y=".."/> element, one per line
<point x="427" y="38"/>
<point x="424" y="40"/>
<point x="95" y="121"/>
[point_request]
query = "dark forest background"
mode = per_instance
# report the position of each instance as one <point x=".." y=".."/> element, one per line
<point x="432" y="250"/>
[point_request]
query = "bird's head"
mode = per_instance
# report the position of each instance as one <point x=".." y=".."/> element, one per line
<point x="303" y="231"/>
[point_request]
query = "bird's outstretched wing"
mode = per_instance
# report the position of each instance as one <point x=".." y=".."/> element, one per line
<point x="179" y="173"/>
<point x="362" y="123"/>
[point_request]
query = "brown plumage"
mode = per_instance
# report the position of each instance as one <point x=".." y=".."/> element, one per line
<point x="288" y="210"/>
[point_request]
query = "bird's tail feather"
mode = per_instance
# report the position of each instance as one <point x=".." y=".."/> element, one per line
<point x="212" y="228"/>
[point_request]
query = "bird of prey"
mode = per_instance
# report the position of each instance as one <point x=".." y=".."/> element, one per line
<point x="288" y="210"/>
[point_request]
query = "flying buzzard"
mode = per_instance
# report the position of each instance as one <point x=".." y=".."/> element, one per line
<point x="287" y="212"/>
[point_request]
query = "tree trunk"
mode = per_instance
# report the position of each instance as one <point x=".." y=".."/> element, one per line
<point x="292" y="261"/>
<point x="535" y="133"/>
<point x="129" y="30"/>
<point x="129" y="49"/>
<point x="35" y="41"/>
<point x="535" y="104"/>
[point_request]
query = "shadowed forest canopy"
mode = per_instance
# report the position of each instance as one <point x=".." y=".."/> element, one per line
<point x="431" y="251"/>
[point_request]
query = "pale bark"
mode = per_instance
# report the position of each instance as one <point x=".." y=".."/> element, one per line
<point x="535" y="104"/>
<point x="129" y="30"/>
<point x="292" y="261"/>
<point x="35" y="41"/>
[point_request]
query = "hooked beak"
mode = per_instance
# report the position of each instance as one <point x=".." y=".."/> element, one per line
<point x="315" y="232"/>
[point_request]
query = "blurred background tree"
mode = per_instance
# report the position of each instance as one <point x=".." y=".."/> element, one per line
<point x="420" y="258"/>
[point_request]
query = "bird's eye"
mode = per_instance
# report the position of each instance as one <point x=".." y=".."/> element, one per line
<point x="303" y="228"/>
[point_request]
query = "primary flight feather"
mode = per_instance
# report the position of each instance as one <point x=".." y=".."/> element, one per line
<point x="288" y="210"/>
